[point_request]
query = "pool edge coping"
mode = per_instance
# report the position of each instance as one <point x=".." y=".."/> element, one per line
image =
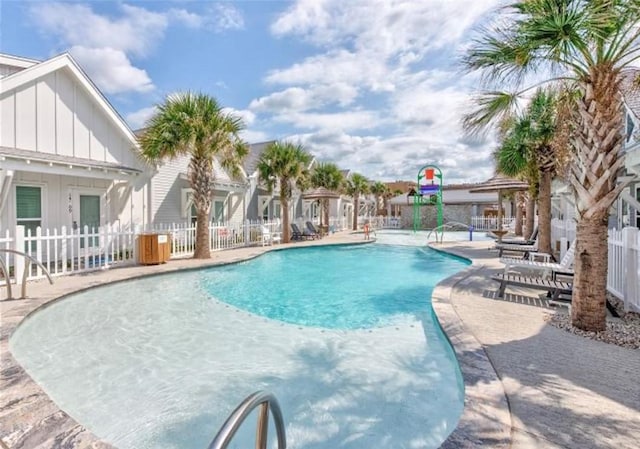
<point x="486" y="419"/>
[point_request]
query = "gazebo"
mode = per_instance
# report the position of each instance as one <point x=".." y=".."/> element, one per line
<point x="324" y="195"/>
<point x="501" y="184"/>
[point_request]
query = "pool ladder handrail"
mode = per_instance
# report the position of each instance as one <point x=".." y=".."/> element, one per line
<point x="442" y="228"/>
<point x="27" y="268"/>
<point x="265" y="401"/>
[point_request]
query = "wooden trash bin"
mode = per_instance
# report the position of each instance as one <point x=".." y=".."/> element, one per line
<point x="154" y="249"/>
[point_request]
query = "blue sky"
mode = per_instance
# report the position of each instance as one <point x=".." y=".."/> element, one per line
<point x="372" y="85"/>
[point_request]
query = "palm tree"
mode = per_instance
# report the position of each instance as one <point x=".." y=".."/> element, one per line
<point x="378" y="189"/>
<point x="329" y="176"/>
<point x="526" y="146"/>
<point x="287" y="165"/>
<point x="194" y="125"/>
<point x="591" y="42"/>
<point x="355" y="186"/>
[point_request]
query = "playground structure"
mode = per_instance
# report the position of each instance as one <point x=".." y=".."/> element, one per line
<point x="429" y="193"/>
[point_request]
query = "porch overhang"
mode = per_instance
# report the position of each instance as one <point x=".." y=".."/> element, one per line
<point x="55" y="164"/>
<point x="223" y="186"/>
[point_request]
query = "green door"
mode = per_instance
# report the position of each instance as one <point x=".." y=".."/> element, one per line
<point x="89" y="216"/>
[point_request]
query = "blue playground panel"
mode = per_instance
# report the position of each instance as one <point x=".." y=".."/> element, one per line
<point x="429" y="188"/>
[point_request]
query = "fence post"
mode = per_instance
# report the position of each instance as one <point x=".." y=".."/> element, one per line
<point x="19" y="261"/>
<point x="630" y="247"/>
<point x="136" y="232"/>
<point x="38" y="250"/>
<point x="245" y="232"/>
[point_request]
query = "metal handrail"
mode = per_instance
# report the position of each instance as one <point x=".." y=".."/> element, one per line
<point x="265" y="401"/>
<point x="27" y="267"/>
<point x="441" y="228"/>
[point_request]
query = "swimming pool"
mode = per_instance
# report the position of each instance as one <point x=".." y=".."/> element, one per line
<point x="162" y="361"/>
<point x="421" y="238"/>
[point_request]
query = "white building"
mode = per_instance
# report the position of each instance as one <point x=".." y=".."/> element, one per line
<point x="66" y="157"/>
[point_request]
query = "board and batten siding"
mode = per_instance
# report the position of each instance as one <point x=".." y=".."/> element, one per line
<point x="55" y="114"/>
<point x="166" y="192"/>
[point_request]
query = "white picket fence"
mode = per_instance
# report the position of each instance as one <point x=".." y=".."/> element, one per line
<point x="67" y="251"/>
<point x="623" y="265"/>
<point x="490" y="223"/>
<point x="623" y="275"/>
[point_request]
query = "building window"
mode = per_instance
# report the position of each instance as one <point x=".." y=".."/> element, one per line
<point x="29" y="207"/>
<point x="218" y="211"/>
<point x="630" y="126"/>
<point x="277" y="210"/>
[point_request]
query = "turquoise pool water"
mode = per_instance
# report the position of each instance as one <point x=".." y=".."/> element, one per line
<point x="343" y="336"/>
<point x="344" y="287"/>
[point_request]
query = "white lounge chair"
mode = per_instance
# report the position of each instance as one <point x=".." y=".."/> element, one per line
<point x="268" y="237"/>
<point x="526" y="249"/>
<point x="541" y="262"/>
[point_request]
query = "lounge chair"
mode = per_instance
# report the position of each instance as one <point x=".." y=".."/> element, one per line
<point x="312" y="230"/>
<point x="553" y="286"/>
<point x="305" y="234"/>
<point x="525" y="249"/>
<point x="299" y="235"/>
<point x="530" y="241"/>
<point x="545" y="265"/>
<point x="268" y="237"/>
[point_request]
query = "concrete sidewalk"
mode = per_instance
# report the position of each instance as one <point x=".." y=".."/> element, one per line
<point x="564" y="391"/>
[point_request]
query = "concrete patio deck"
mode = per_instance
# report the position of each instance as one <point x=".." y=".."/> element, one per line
<point x="527" y="384"/>
<point x="564" y="391"/>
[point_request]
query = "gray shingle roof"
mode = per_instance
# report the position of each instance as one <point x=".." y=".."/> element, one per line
<point x="250" y="163"/>
<point x="630" y="88"/>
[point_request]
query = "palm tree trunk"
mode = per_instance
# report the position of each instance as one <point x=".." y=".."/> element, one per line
<point x="201" y="179"/>
<point x="202" y="250"/>
<point x="531" y="216"/>
<point x="326" y="211"/>
<point x="544" y="213"/>
<point x="284" y="202"/>
<point x="355" y="213"/>
<point x="519" y="214"/>
<point x="588" y="306"/>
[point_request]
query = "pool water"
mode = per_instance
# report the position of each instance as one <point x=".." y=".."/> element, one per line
<point x="343" y="336"/>
<point x="344" y="287"/>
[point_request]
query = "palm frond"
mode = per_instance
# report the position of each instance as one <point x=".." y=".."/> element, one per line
<point x="491" y="109"/>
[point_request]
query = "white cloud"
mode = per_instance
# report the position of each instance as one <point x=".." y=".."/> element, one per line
<point x="301" y="99"/>
<point x="399" y="156"/>
<point x="227" y="17"/>
<point x="188" y="19"/>
<point x="111" y="70"/>
<point x="348" y="120"/>
<point x="219" y="17"/>
<point x="401" y="53"/>
<point x="135" y="32"/>
<point x="137" y="119"/>
<point x="253" y="136"/>
<point x="105" y="45"/>
<point x="247" y="116"/>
